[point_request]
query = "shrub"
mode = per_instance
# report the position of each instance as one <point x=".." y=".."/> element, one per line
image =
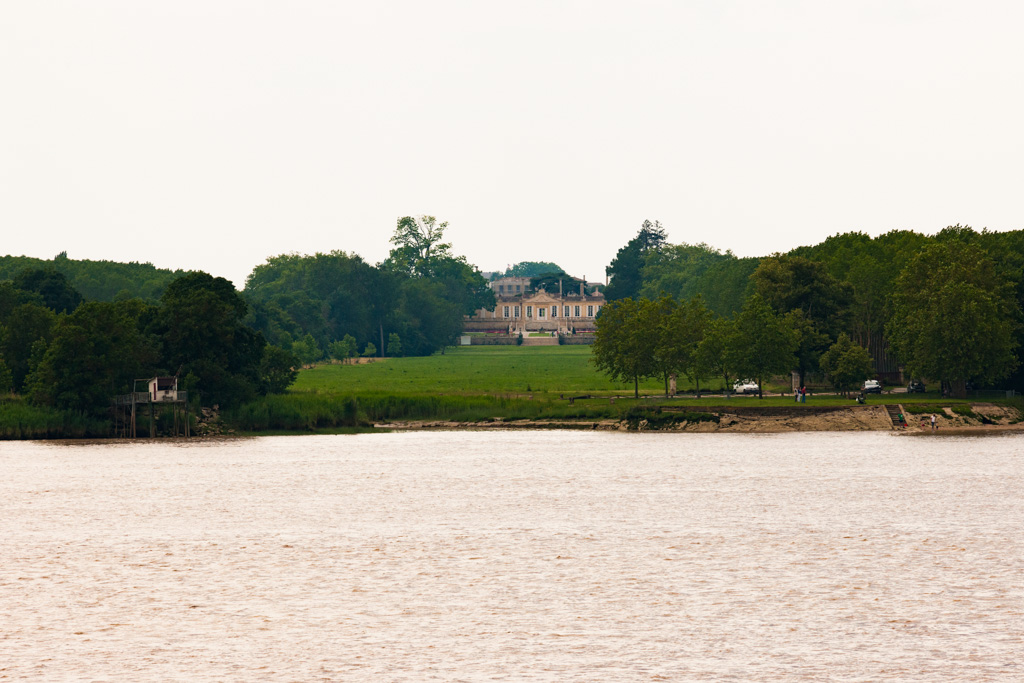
<point x="922" y="408"/>
<point x="964" y="410"/>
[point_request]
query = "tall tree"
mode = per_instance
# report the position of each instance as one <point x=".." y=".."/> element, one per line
<point x="55" y="290"/>
<point x="697" y="320"/>
<point x="789" y="283"/>
<point x="463" y="285"/>
<point x="811" y="342"/>
<point x="713" y="357"/>
<point x="664" y="319"/>
<point x="418" y="239"/>
<point x="278" y="370"/>
<point x="954" y="316"/>
<point x="626" y="269"/>
<point x="200" y="324"/>
<point x="846" y="364"/>
<point x="681" y="329"/>
<point x="23" y="326"/>
<point x="306" y="350"/>
<point x="624" y="344"/>
<point x="762" y="345"/>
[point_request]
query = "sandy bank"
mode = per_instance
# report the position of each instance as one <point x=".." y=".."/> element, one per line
<point x="765" y="420"/>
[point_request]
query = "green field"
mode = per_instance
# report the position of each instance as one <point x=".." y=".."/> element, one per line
<point x="481" y="384"/>
<point x="494" y="370"/>
<point x="508" y="371"/>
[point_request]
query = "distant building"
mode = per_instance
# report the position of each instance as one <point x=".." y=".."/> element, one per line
<point x="520" y="310"/>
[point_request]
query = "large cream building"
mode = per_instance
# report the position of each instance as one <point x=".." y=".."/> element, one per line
<point x="521" y="310"/>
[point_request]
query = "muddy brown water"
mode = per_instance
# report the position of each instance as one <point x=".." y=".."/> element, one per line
<point x="540" y="556"/>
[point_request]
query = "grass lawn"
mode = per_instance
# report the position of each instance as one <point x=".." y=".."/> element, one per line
<point x="517" y="370"/>
<point x="495" y="370"/>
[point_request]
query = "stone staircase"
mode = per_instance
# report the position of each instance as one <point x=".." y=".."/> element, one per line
<point x="894" y="412"/>
<point x="540" y="341"/>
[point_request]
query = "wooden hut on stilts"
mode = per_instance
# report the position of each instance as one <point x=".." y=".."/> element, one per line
<point x="160" y="392"/>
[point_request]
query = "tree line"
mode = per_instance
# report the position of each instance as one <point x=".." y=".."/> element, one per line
<point x="947" y="306"/>
<point x="339" y="305"/>
<point x="64" y="352"/>
<point x="63" y="349"/>
<point x="97" y="280"/>
<point x="666" y="338"/>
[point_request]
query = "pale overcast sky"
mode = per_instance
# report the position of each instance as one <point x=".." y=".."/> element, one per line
<point x="211" y="135"/>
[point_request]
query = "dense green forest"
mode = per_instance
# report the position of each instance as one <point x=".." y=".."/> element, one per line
<point x="945" y="307"/>
<point x="69" y="354"/>
<point x="413" y="301"/>
<point x="70" y="349"/>
<point x="98" y="280"/>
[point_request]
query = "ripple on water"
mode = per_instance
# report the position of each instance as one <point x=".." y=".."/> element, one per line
<point x="514" y="556"/>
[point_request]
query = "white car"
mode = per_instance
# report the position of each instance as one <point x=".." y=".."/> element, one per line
<point x="745" y="386"/>
<point x="872" y="386"/>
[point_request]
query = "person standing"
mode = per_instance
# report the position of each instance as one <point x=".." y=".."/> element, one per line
<point x="934" y="420"/>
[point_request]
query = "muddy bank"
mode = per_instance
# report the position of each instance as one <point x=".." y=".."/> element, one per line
<point x="712" y="419"/>
<point x="766" y="420"/>
<point x="981" y="417"/>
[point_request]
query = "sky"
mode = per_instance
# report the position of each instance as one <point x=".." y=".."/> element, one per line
<point x="212" y="135"/>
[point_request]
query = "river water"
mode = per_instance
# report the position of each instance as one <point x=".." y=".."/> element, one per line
<point x="539" y="556"/>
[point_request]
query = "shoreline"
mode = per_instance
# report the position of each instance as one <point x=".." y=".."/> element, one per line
<point x="980" y="419"/>
<point x="749" y="420"/>
<point x="553" y="425"/>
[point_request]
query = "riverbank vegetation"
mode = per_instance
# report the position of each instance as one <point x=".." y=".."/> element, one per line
<point x="945" y="308"/>
<point x="512" y="386"/>
<point x="64" y="353"/>
<point x="20" y="419"/>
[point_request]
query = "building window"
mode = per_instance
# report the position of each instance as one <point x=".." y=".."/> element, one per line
<point x="519" y="288"/>
<point x="590" y="311"/>
<point x="540" y="311"/>
<point x="576" y="311"/>
<point x="554" y="311"/>
<point x="506" y="311"/>
<point x="501" y="288"/>
<point x="517" y="311"/>
<point x="529" y="311"/>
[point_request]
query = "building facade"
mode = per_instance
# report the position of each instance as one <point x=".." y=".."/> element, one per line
<point x="520" y="310"/>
